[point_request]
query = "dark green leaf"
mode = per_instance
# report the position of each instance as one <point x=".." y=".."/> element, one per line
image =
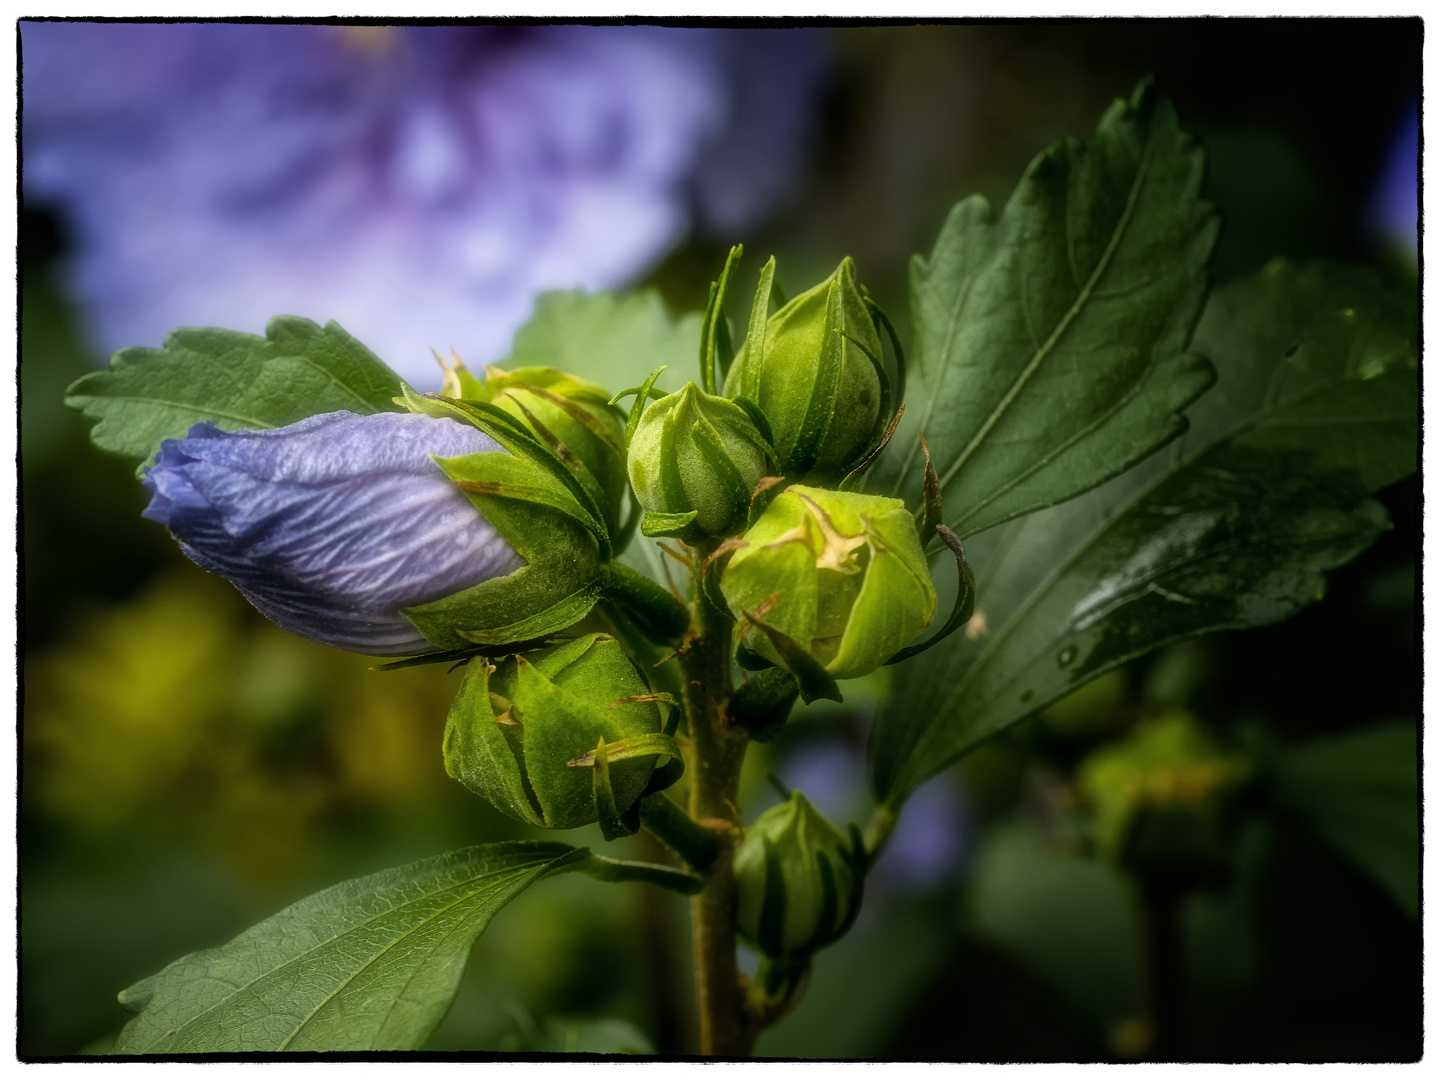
<point x="1050" y="344"/>
<point x="1232" y="526"/>
<point x="370" y="964"/>
<point x="234" y="380"/>
<point x="1361" y="793"/>
<point x="611" y="340"/>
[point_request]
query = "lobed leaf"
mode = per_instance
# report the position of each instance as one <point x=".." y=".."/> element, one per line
<point x="233" y="380"/>
<point x="1232" y="526"/>
<point x="1050" y="344"/>
<point x="369" y="964"/>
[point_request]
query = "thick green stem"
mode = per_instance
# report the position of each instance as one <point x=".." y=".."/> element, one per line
<point x="725" y="1027"/>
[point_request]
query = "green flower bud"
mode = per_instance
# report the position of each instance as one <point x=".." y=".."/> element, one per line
<point x="1164" y="800"/>
<point x="694" y="463"/>
<point x="570" y="415"/>
<point x="798" y="881"/>
<point x="810" y="374"/>
<point x="529" y="734"/>
<point x="842" y="575"/>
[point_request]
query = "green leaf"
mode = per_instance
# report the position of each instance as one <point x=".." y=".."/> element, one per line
<point x="370" y="964"/>
<point x="234" y="380"/>
<point x="611" y="340"/>
<point x="1232" y="526"/>
<point x="1051" y="343"/>
<point x="1360" y="793"/>
<point x="556" y="1036"/>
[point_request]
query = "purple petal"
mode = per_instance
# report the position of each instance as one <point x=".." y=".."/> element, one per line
<point x="332" y="525"/>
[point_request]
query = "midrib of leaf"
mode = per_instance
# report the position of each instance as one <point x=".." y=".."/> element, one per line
<point x="179" y="406"/>
<point x="1079" y="436"/>
<point x="1117" y="234"/>
<point x="383" y="952"/>
<point x="1182" y="462"/>
<point x="328" y="942"/>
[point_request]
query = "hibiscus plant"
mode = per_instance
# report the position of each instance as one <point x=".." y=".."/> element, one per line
<point x="1081" y="454"/>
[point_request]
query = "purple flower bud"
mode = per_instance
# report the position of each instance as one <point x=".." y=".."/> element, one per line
<point x="331" y="526"/>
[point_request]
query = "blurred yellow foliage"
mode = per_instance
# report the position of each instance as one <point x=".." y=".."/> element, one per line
<point x="185" y="713"/>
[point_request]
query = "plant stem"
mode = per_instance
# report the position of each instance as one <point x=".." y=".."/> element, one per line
<point x="724" y="1024"/>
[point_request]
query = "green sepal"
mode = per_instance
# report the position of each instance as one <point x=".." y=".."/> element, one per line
<point x="572" y="461"/>
<point x="761" y="422"/>
<point x="507" y="476"/>
<point x="964" y="599"/>
<point x="932" y="511"/>
<point x="655" y="744"/>
<point x="613" y="824"/>
<point x="762" y="704"/>
<point x="755" y="337"/>
<point x="675" y="525"/>
<point x="643" y="393"/>
<point x="854" y="479"/>
<point x="715" y="344"/>
<point x="810" y="439"/>
<point x="813" y="680"/>
<point x="522" y="443"/>
<point x="563" y="546"/>
<point x="737" y="491"/>
<point x="877" y="313"/>
<point x="882" y="415"/>
<point x="751" y="660"/>
<point x="557" y="617"/>
<point x="483" y="754"/>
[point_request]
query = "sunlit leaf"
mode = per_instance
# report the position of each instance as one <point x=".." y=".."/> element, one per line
<point x="369" y="964"/>
<point x="1361" y="792"/>
<point x="1233" y="525"/>
<point x="1050" y="343"/>
<point x="233" y="380"/>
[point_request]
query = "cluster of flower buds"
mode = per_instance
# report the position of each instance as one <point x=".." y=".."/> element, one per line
<point x="481" y="523"/>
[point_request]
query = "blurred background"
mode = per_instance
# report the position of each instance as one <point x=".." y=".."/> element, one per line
<point x="189" y="769"/>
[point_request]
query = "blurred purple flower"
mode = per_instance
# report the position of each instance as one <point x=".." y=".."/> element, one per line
<point x="332" y="525"/>
<point x="1395" y="210"/>
<point x="420" y="185"/>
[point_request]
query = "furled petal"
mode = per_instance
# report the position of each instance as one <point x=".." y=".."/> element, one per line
<point x="332" y="525"/>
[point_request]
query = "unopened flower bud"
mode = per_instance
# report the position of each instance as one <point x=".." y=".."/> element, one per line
<point x="696" y="454"/>
<point x="840" y="574"/>
<point x="798" y="881"/>
<point x="359" y="531"/>
<point x="1164" y="800"/>
<point x="526" y="734"/>
<point x="813" y="380"/>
